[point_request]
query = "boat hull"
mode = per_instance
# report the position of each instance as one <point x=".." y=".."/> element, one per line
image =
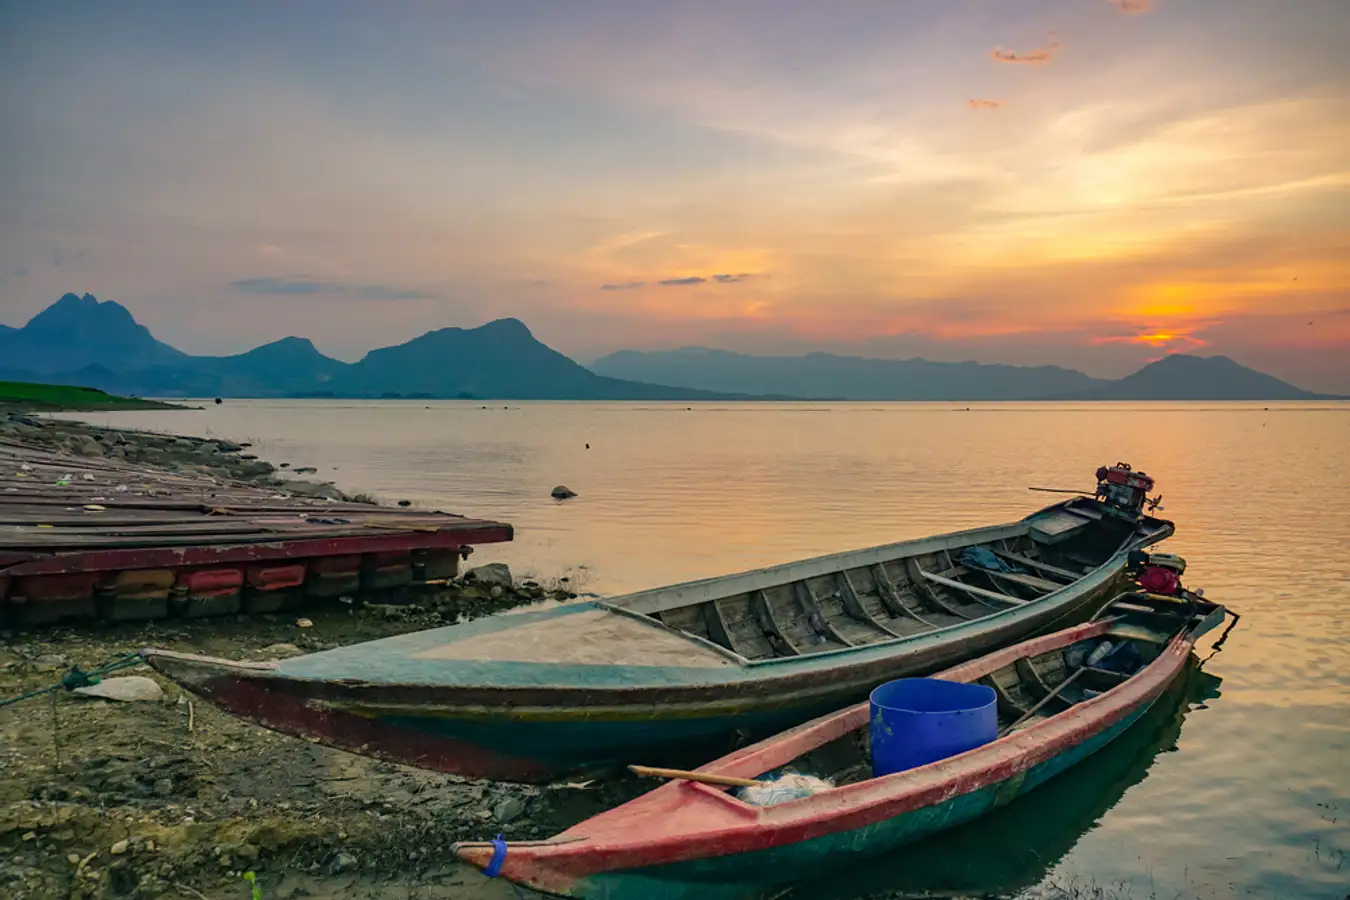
<point x="537" y="735"/>
<point x="686" y="839"/>
<point x="744" y="875"/>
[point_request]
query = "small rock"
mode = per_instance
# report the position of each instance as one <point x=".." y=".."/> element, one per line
<point x="119" y="848"/>
<point x="305" y="470"/>
<point x="125" y="688"/>
<point x="247" y="853"/>
<point x="405" y="503"/>
<point x="496" y="592"/>
<point x="342" y="862"/>
<point x="87" y="447"/>
<point x="492" y="573"/>
<point x="304" y="623"/>
<point x="29" y="836"/>
<point x="562" y="492"/>
<point x="163" y="787"/>
<point x="73" y="858"/>
<point x="49" y="661"/>
<point x="282" y="651"/>
<point x="509" y="810"/>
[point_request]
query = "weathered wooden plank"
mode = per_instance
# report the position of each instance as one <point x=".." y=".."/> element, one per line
<point x="979" y="593"/>
<point x="1038" y="565"/>
<point x="891" y="597"/>
<point x="853" y="604"/>
<point x="783" y="645"/>
<point x="916" y="578"/>
<point x="808" y="599"/>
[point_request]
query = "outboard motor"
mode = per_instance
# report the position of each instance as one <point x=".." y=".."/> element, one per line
<point x="1125" y="491"/>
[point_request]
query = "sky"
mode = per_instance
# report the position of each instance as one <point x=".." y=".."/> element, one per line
<point x="1089" y="183"/>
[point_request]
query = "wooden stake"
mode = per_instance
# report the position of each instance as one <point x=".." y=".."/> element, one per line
<point x="703" y="777"/>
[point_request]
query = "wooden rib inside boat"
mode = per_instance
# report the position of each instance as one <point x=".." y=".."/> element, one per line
<point x="871" y="597"/>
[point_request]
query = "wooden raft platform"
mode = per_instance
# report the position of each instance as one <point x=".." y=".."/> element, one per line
<point x="81" y="538"/>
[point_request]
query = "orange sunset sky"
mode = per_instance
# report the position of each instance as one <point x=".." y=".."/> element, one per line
<point x="1082" y="182"/>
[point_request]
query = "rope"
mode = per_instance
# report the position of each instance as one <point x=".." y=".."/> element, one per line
<point x="78" y="678"/>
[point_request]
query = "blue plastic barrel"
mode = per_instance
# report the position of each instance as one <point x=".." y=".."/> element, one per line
<point x="916" y="721"/>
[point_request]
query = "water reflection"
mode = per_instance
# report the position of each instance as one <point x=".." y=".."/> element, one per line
<point x="1015" y="847"/>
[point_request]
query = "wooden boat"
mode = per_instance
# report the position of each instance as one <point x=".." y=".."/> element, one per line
<point x="678" y="673"/>
<point x="690" y="839"/>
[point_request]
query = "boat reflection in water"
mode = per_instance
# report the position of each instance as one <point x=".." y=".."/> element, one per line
<point x="1015" y="847"/>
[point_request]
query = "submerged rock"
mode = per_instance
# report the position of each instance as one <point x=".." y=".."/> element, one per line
<point x="562" y="492"/>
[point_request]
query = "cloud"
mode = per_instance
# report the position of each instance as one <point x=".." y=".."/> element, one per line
<point x="299" y="286"/>
<point x="984" y="104"/>
<point x="721" y="278"/>
<point x="1132" y="6"/>
<point x="1034" y="57"/>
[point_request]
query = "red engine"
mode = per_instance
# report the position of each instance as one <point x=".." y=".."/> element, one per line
<point x="1125" y="490"/>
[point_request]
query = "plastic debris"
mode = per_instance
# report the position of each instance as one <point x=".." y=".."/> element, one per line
<point x="124" y="688"/>
<point x="788" y="787"/>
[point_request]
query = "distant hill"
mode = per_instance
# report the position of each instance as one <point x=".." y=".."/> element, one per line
<point x="1183" y="377"/>
<point x="84" y="341"/>
<point x="501" y="359"/>
<point x="79" y="340"/>
<point x="823" y="375"/>
<point x="75" y="332"/>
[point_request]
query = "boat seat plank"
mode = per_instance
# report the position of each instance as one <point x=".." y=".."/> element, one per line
<point x="1045" y="567"/>
<point x="1029" y="581"/>
<point x="971" y="589"/>
<point x="1137" y="633"/>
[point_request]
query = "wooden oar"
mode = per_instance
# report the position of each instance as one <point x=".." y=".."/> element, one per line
<point x="1044" y="700"/>
<point x="704" y="777"/>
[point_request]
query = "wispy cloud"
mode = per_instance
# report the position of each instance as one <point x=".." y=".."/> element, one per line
<point x="300" y="286"/>
<point x="1132" y="6"/>
<point x="686" y="281"/>
<point x="1033" y="57"/>
<point x="984" y="104"/>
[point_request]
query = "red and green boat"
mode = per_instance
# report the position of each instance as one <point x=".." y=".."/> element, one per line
<point x="1060" y="698"/>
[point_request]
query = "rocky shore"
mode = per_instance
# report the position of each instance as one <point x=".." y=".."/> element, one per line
<point x="172" y="798"/>
<point x="187" y="455"/>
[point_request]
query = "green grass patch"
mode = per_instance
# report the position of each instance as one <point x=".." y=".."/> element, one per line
<point x="68" y="398"/>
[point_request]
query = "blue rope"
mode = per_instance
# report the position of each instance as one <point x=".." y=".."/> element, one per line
<point x="77" y="678"/>
<point x="494" y="867"/>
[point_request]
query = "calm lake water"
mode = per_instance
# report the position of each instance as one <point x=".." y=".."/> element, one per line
<point x="1237" y="787"/>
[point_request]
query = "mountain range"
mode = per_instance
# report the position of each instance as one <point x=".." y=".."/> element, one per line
<point x="84" y="341"/>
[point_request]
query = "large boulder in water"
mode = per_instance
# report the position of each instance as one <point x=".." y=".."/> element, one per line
<point x="562" y="492"/>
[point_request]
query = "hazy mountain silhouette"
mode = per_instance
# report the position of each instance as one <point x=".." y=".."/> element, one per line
<point x="82" y="341"/>
<point x="1183" y="377"/>
<point x="79" y="340"/>
<point x="75" y="332"/>
<point x="501" y="359"/>
<point x="824" y="375"/>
